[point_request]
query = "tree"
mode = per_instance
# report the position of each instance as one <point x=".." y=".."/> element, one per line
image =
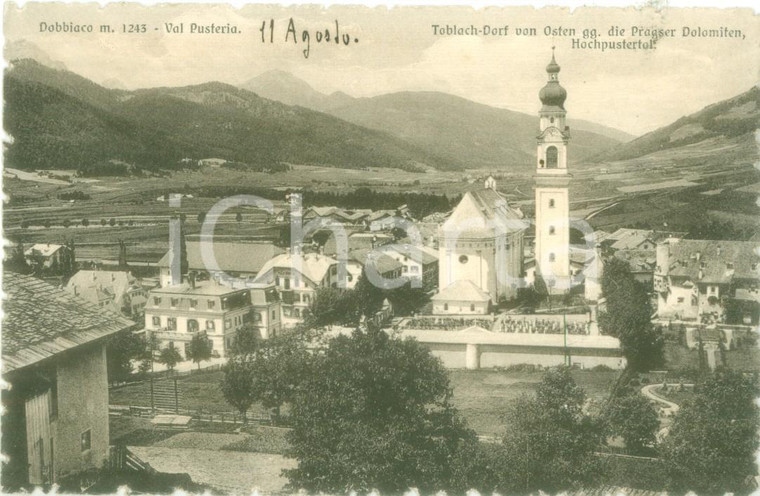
<point x="374" y="412"/>
<point x="711" y="445"/>
<point x="121" y="349"/>
<point x="237" y="385"/>
<point x="406" y="299"/>
<point x="246" y="341"/>
<point x="269" y="372"/>
<point x="85" y="222"/>
<point x="170" y="357"/>
<point x="201" y="217"/>
<point x="627" y="317"/>
<point x="103" y="222"/>
<point x="16" y="262"/>
<point x="239" y="217"/>
<point x="550" y="442"/>
<point x="111" y="222"/>
<point x="328" y="307"/>
<point x="199" y="349"/>
<point x="632" y="417"/>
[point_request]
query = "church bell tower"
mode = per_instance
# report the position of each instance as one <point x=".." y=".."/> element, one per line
<point x="552" y="244"/>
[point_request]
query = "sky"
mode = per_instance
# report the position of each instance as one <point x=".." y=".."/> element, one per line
<point x="635" y="91"/>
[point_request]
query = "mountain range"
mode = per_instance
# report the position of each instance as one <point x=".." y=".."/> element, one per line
<point x="58" y="119"/>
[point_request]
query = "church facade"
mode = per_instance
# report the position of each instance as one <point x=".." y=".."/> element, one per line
<point x="483" y="240"/>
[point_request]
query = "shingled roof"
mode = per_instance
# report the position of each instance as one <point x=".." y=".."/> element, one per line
<point x="42" y="320"/>
<point x="231" y="256"/>
<point x="717" y="262"/>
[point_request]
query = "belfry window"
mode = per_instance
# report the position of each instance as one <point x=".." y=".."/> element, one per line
<point x="552" y="230"/>
<point x="551" y="257"/>
<point x="551" y="203"/>
<point x="551" y="157"/>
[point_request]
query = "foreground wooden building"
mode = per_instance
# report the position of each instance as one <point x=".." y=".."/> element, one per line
<point x="55" y="422"/>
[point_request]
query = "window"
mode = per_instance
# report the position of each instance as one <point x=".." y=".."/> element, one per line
<point x="175" y="302"/>
<point x="256" y="317"/>
<point x="414" y="269"/>
<point x="193" y="304"/>
<point x="551" y="203"/>
<point x="472" y="307"/>
<point x="730" y="265"/>
<point x="227" y="323"/>
<point x="551" y="157"/>
<point x="211" y="304"/>
<point x="680" y="299"/>
<point x="445" y="306"/>
<point x="192" y="325"/>
<point x="156" y="301"/>
<point x="287" y="283"/>
<point x="551" y="257"/>
<point x="463" y="259"/>
<point x="552" y="231"/>
<point x="274" y="315"/>
<point x="209" y="325"/>
<point x="277" y="281"/>
<point x="156" y="321"/>
<point x="297" y="312"/>
<point x="405" y="269"/>
<point x="85" y="440"/>
<point x="171" y="323"/>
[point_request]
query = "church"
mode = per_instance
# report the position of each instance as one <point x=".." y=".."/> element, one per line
<point x="482" y="242"/>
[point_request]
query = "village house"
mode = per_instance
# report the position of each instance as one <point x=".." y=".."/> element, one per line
<point x="47" y="256"/>
<point x="55" y="422"/>
<point x="636" y="239"/>
<point x="698" y="279"/>
<point x="116" y="289"/>
<point x="241" y="260"/>
<point x="420" y="263"/>
<point x="336" y="214"/>
<point x="176" y="313"/>
<point x="297" y="277"/>
<point x="358" y="241"/>
<point x="384" y="266"/>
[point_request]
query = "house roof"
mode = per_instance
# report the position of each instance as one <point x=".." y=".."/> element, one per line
<point x="356" y="241"/>
<point x="411" y="251"/>
<point x="630" y="239"/>
<point x="719" y="262"/>
<point x="201" y="288"/>
<point x="92" y="285"/>
<point x="231" y="257"/>
<point x="638" y="260"/>
<point x="383" y="263"/>
<point x="483" y="213"/>
<point x="264" y="294"/>
<point x="462" y="290"/>
<point x="42" y="321"/>
<point x="312" y="265"/>
<point x="44" y="249"/>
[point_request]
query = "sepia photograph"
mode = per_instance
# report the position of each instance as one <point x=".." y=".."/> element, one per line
<point x="413" y="250"/>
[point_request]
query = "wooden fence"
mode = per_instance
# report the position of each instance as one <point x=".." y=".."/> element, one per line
<point x="197" y="415"/>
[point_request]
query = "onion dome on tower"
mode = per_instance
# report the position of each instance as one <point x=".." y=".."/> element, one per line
<point x="553" y="95"/>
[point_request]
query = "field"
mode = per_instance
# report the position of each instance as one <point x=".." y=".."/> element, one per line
<point x="610" y="195"/>
<point x="482" y="396"/>
<point x="200" y="392"/>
